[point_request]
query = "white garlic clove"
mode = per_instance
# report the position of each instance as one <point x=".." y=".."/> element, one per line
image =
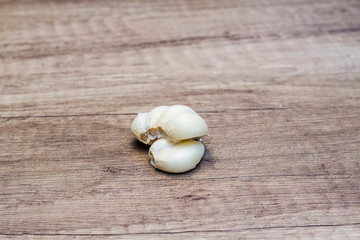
<point x="185" y="126"/>
<point x="153" y="130"/>
<point x="180" y="122"/>
<point x="176" y="157"/>
<point x="138" y="127"/>
<point x="144" y="127"/>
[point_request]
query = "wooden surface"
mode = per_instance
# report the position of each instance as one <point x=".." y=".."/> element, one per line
<point x="278" y="83"/>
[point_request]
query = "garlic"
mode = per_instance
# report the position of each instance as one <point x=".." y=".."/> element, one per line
<point x="171" y="132"/>
<point x="176" y="157"/>
<point x="175" y="123"/>
<point x="144" y="127"/>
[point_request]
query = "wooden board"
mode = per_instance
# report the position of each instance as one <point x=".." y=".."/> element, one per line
<point x="278" y="83"/>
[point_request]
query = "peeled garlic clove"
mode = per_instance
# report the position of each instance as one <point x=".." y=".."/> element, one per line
<point x="180" y="122"/>
<point x="176" y="157"/>
<point x="185" y="126"/>
<point x="144" y="127"/>
<point x="138" y="127"/>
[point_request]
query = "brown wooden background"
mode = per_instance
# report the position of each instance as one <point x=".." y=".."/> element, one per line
<point x="278" y="83"/>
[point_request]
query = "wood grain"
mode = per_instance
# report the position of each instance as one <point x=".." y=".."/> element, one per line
<point x="278" y="83"/>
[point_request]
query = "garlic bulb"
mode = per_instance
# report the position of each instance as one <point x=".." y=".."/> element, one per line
<point x="176" y="157"/>
<point x="175" y="123"/>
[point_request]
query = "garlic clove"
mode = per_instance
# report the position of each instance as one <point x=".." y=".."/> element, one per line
<point x="185" y="126"/>
<point x="138" y="127"/>
<point x="176" y="157"/>
<point x="144" y="126"/>
<point x="153" y="130"/>
<point x="180" y="122"/>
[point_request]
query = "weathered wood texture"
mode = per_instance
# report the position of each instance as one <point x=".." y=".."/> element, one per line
<point x="277" y="81"/>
